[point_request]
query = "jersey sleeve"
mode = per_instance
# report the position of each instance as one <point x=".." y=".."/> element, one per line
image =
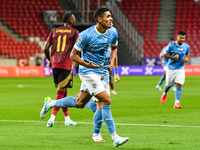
<point x="168" y="49"/>
<point x="49" y="39"/>
<point x="75" y="36"/>
<point x="162" y="52"/>
<point x="115" y="37"/>
<point x="188" y="50"/>
<point x="81" y="41"/>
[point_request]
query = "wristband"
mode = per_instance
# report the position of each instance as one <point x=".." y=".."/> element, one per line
<point x="116" y="70"/>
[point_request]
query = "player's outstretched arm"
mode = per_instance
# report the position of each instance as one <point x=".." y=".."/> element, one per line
<point x="74" y="56"/>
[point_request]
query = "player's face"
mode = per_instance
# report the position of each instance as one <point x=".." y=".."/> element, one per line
<point x="106" y="20"/>
<point x="73" y="21"/>
<point x="181" y="39"/>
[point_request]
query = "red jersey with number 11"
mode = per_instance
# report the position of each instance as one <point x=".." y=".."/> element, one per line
<point x="62" y="40"/>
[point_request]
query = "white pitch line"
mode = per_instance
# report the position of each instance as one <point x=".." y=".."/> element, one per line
<point x="121" y="124"/>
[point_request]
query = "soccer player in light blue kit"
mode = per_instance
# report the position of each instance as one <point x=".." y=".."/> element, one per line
<point x="95" y="105"/>
<point x="164" y="62"/>
<point x="178" y="53"/>
<point x="93" y="43"/>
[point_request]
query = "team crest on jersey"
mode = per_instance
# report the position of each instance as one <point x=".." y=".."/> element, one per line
<point x="79" y="39"/>
<point x="106" y="39"/>
<point x="94" y="86"/>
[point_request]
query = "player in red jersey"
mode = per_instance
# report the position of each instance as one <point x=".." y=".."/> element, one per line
<point x="61" y="40"/>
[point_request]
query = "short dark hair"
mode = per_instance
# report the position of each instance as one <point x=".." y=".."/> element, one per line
<point x="181" y="33"/>
<point x="98" y="12"/>
<point x="66" y="17"/>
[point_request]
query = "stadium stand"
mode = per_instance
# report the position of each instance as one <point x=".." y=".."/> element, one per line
<point x="144" y="15"/>
<point x="17" y="49"/>
<point x="187" y="19"/>
<point x="25" y="17"/>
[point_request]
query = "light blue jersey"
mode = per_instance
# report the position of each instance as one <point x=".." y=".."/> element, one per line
<point x="94" y="46"/>
<point x="173" y="49"/>
<point x="164" y="60"/>
<point x="105" y="70"/>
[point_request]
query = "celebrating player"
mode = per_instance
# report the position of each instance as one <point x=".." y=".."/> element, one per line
<point x="178" y="53"/>
<point x="95" y="105"/>
<point x="93" y="43"/>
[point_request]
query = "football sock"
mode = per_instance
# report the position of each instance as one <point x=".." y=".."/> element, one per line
<point x="55" y="110"/>
<point x="173" y="84"/>
<point x="67" y="118"/>
<point x="166" y="89"/>
<point x="178" y="94"/>
<point x="65" y="111"/>
<point x="162" y="79"/>
<point x="52" y="103"/>
<point x="66" y="102"/>
<point x="98" y="120"/>
<point x="114" y="135"/>
<point x="91" y="105"/>
<point x="52" y="117"/>
<point x="60" y="94"/>
<point x="107" y="117"/>
<point x="111" y="86"/>
<point x="65" y="93"/>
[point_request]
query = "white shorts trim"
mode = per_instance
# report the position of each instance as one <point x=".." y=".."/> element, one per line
<point x="177" y="76"/>
<point x="92" y="84"/>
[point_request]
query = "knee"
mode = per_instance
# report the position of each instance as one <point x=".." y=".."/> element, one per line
<point x="80" y="104"/>
<point x="107" y="102"/>
<point x="178" y="85"/>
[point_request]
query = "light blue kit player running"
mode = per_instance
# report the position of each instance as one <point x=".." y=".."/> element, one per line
<point x="93" y="43"/>
<point x="164" y="62"/>
<point x="95" y="105"/>
<point x="178" y="53"/>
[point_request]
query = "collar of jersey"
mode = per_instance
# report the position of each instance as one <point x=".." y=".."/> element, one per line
<point x="179" y="45"/>
<point x="98" y="31"/>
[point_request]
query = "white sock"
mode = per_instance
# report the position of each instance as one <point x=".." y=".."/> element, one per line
<point x="67" y="118"/>
<point x="95" y="134"/>
<point x="177" y="101"/>
<point x="114" y="136"/>
<point x="53" y="117"/>
<point x="52" y="103"/>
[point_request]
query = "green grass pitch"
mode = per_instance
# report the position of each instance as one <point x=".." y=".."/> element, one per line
<point x="137" y="111"/>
